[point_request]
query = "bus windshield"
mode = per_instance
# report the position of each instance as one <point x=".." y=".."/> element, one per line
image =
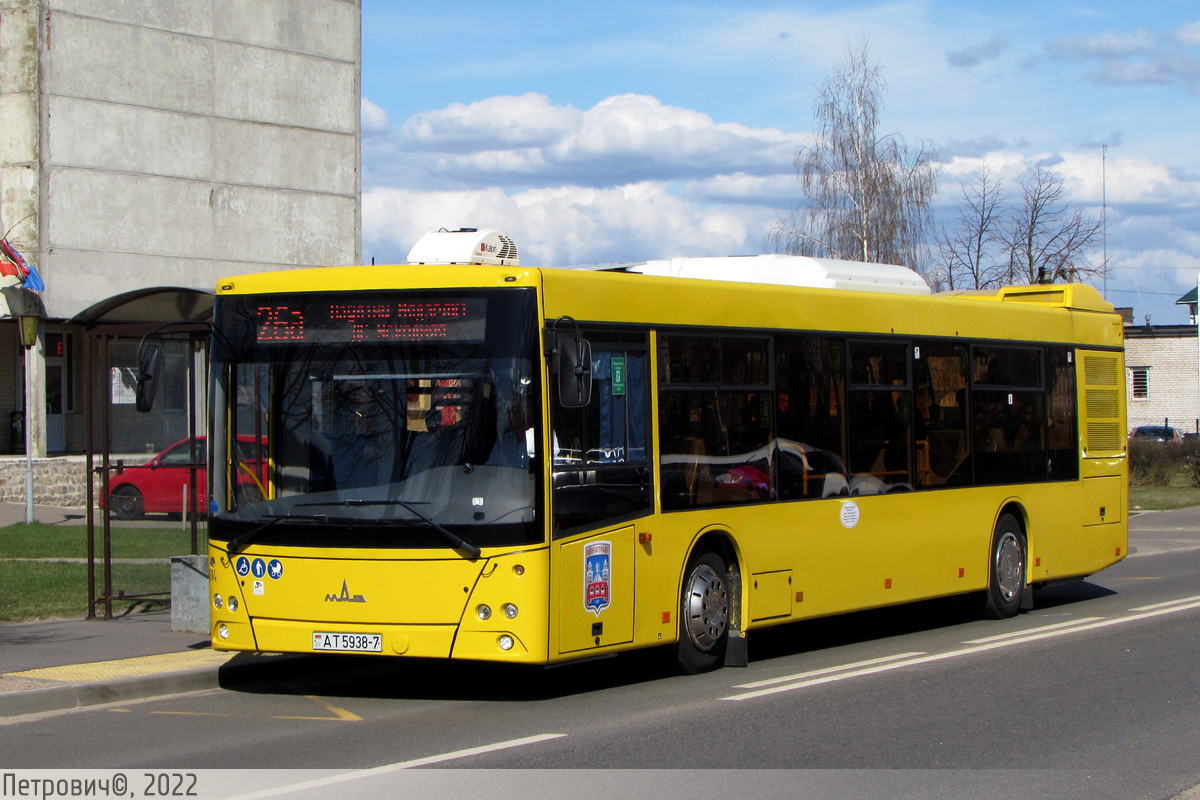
<point x="387" y="419"/>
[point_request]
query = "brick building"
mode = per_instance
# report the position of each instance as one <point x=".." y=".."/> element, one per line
<point x="1161" y="376"/>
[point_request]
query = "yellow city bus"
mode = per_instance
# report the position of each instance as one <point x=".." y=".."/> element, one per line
<point x="495" y="462"/>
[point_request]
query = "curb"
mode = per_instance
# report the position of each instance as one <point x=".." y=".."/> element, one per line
<point x="243" y="668"/>
<point x="62" y="698"/>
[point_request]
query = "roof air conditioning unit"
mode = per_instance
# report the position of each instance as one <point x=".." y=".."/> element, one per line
<point x="465" y="246"/>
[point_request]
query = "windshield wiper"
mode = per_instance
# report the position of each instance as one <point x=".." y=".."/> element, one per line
<point x="238" y="542"/>
<point x="456" y="541"/>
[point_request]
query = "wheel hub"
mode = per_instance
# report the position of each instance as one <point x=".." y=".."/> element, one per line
<point x="707" y="607"/>
<point x="1010" y="566"/>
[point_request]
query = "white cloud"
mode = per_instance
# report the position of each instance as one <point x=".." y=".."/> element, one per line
<point x="1137" y="58"/>
<point x="529" y="120"/>
<point x="567" y="224"/>
<point x="519" y="142"/>
<point x="976" y="54"/>
<point x="1188" y="35"/>
<point x="374" y="118"/>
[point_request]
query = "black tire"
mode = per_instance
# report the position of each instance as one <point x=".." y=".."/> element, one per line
<point x="1006" y="570"/>
<point x="127" y="503"/>
<point x="704" y="615"/>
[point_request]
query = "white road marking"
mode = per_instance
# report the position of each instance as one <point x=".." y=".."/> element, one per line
<point x="1016" y="634"/>
<point x="1049" y="632"/>
<point x="814" y="673"/>
<point x="417" y="762"/>
<point x="1168" y="604"/>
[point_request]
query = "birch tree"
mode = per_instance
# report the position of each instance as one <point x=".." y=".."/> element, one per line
<point x="866" y="196"/>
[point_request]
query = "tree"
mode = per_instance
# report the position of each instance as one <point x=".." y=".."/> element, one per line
<point x="973" y="254"/>
<point x="866" y="197"/>
<point x="1040" y="239"/>
<point x="1047" y="239"/>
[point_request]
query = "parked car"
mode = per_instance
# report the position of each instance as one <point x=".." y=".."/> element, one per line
<point x="157" y="486"/>
<point x="1156" y="433"/>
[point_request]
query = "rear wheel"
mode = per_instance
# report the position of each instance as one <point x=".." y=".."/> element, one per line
<point x="703" y="615"/>
<point x="1006" y="570"/>
<point x="127" y="503"/>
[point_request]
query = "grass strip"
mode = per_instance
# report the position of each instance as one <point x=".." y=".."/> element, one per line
<point x="39" y="540"/>
<point x="32" y="590"/>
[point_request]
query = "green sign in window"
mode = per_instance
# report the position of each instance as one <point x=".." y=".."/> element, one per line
<point x="618" y="375"/>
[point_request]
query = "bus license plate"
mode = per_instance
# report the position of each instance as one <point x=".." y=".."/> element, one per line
<point x="348" y="642"/>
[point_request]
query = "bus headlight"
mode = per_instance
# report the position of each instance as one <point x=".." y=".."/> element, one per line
<point x="233" y="604"/>
<point x="505" y="642"/>
<point x="510" y="611"/>
<point x="223" y="631"/>
<point x="218" y="601"/>
<point x="484" y="612"/>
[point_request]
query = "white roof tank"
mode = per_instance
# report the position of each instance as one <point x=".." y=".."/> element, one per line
<point x="784" y="270"/>
<point x="465" y="246"/>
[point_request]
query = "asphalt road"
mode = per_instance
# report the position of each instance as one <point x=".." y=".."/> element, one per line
<point x="1093" y="694"/>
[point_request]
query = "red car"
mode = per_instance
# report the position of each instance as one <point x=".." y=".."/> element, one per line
<point x="158" y="485"/>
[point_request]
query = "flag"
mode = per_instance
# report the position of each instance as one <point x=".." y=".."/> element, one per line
<point x="15" y="271"/>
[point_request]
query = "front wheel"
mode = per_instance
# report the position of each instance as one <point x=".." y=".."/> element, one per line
<point x="703" y="615"/>
<point x="127" y="503"/>
<point x="1006" y="570"/>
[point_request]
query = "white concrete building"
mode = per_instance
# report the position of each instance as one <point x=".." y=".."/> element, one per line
<point x="149" y="146"/>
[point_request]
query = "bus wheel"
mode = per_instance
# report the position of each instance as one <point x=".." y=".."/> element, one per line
<point x="1006" y="570"/>
<point x="703" y="615"/>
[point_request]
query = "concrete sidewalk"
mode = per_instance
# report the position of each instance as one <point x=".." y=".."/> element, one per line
<point x="61" y="664"/>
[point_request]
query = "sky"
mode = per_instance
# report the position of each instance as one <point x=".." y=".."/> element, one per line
<point x="616" y="132"/>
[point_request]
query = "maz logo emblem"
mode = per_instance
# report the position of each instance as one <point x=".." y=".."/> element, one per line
<point x="345" y="597"/>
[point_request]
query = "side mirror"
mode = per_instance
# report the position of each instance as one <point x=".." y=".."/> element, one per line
<point x="149" y="363"/>
<point x="573" y="363"/>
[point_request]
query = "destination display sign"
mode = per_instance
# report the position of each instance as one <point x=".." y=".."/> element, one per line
<point x="336" y="320"/>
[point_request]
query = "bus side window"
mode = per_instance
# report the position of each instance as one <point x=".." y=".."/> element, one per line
<point x="716" y="420"/>
<point x="598" y="451"/>
<point x="881" y="417"/>
<point x="810" y="400"/>
<point x="1061" y="423"/>
<point x="940" y="419"/>
<point x="1008" y="409"/>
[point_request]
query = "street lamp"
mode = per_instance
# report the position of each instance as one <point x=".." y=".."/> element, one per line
<point x="26" y="306"/>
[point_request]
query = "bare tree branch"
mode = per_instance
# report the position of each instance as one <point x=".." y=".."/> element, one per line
<point x="972" y="254"/>
<point x="1046" y="238"/>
